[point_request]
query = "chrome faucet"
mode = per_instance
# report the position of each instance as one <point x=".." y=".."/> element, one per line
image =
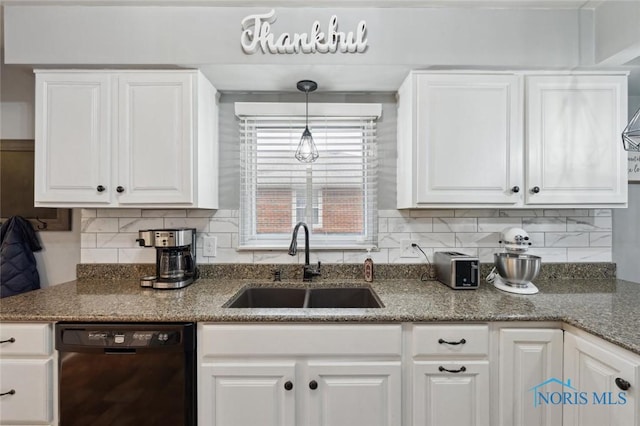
<point x="308" y="271"/>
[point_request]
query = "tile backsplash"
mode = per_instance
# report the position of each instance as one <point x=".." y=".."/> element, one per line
<point x="558" y="235"/>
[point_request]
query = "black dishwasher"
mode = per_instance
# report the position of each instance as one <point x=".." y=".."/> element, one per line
<point x="131" y="374"/>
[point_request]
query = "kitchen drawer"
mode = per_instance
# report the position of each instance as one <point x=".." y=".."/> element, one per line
<point x="32" y="381"/>
<point x="291" y="340"/>
<point x="454" y="340"/>
<point x="29" y="339"/>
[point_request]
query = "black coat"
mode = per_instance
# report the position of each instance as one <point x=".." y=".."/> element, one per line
<point x="18" y="272"/>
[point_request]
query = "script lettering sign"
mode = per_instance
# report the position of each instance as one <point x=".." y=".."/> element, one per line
<point x="256" y="35"/>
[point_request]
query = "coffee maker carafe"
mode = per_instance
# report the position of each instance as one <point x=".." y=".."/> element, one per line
<point x="175" y="257"/>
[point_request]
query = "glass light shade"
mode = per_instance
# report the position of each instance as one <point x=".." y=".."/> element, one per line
<point x="631" y="134"/>
<point x="307" y="151"/>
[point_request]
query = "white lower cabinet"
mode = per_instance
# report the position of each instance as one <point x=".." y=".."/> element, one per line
<point x="316" y="375"/>
<point x="247" y="393"/>
<point x="28" y="389"/>
<point x="451" y="393"/>
<point x="605" y="379"/>
<point x="368" y="374"/>
<point x="527" y="359"/>
<point x="450" y="375"/>
<point x="353" y="393"/>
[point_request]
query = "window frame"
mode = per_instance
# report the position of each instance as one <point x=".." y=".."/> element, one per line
<point x="365" y="113"/>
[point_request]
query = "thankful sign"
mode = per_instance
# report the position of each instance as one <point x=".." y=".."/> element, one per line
<point x="256" y="35"/>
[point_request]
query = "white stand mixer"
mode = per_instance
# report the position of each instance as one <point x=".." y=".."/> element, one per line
<point x="514" y="269"/>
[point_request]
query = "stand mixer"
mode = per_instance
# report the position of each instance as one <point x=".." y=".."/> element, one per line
<point x="514" y="269"/>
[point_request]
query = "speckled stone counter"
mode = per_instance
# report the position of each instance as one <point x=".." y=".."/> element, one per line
<point x="604" y="307"/>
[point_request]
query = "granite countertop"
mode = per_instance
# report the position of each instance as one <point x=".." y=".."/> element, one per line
<point x="604" y="307"/>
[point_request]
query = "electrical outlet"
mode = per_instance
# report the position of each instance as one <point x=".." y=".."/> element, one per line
<point x="210" y="245"/>
<point x="407" y="251"/>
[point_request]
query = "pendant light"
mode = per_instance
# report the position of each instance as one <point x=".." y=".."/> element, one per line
<point x="631" y="134"/>
<point x="307" y="151"/>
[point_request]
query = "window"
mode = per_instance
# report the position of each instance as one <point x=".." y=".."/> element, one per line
<point x="336" y="195"/>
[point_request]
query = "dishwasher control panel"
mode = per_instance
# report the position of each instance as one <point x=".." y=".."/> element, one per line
<point x="130" y="336"/>
<point x="115" y="338"/>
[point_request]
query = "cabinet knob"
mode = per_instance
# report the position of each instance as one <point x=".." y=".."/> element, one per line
<point x="100" y="188"/>
<point x="515" y="189"/>
<point x="9" y="340"/>
<point x="535" y="189"/>
<point x="622" y="384"/>
<point x="288" y="385"/>
<point x="120" y="189"/>
<point x="11" y="392"/>
<point x="459" y="370"/>
<point x="313" y="385"/>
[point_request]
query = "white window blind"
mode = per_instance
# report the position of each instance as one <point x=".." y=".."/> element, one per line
<point x="336" y="195"/>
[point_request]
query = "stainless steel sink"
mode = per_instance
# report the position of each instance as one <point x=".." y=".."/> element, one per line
<point x="322" y="297"/>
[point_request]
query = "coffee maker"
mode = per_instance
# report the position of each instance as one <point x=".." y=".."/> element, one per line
<point x="175" y="257"/>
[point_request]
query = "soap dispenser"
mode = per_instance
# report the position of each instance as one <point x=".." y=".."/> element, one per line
<point x="368" y="267"/>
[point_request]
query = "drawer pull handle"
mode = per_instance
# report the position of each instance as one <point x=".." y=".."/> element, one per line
<point x="459" y="342"/>
<point x="11" y="392"/>
<point x="460" y="370"/>
<point x="11" y="340"/>
<point x="622" y="384"/>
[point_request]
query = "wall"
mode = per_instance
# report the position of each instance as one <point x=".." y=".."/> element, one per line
<point x="626" y="229"/>
<point x="118" y="35"/>
<point x="61" y="249"/>
<point x="210" y="35"/>
<point x="574" y="235"/>
<point x="108" y="236"/>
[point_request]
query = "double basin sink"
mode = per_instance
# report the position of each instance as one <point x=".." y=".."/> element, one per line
<point x="315" y="297"/>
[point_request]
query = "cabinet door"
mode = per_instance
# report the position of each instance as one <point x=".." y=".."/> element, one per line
<point x="593" y="370"/>
<point x="574" y="150"/>
<point x="155" y="144"/>
<point x="353" y="393"/>
<point x="247" y="394"/>
<point x="452" y="397"/>
<point x="528" y="358"/>
<point x="468" y="144"/>
<point x="31" y="381"/>
<point x="73" y="138"/>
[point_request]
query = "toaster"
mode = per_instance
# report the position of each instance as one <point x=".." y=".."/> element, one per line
<point x="457" y="270"/>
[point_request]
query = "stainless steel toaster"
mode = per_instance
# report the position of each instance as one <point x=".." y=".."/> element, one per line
<point x="457" y="270"/>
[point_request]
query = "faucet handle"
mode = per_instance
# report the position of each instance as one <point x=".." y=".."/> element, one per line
<point x="318" y="270"/>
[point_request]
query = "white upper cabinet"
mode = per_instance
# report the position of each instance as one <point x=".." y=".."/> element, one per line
<point x="467" y="138"/>
<point x="125" y="139"/>
<point x="73" y="138"/>
<point x="574" y="152"/>
<point x="511" y="140"/>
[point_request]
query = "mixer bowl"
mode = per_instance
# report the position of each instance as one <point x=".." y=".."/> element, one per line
<point x="517" y="269"/>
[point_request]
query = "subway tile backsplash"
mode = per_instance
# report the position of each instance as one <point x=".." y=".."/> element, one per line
<point x="562" y="235"/>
